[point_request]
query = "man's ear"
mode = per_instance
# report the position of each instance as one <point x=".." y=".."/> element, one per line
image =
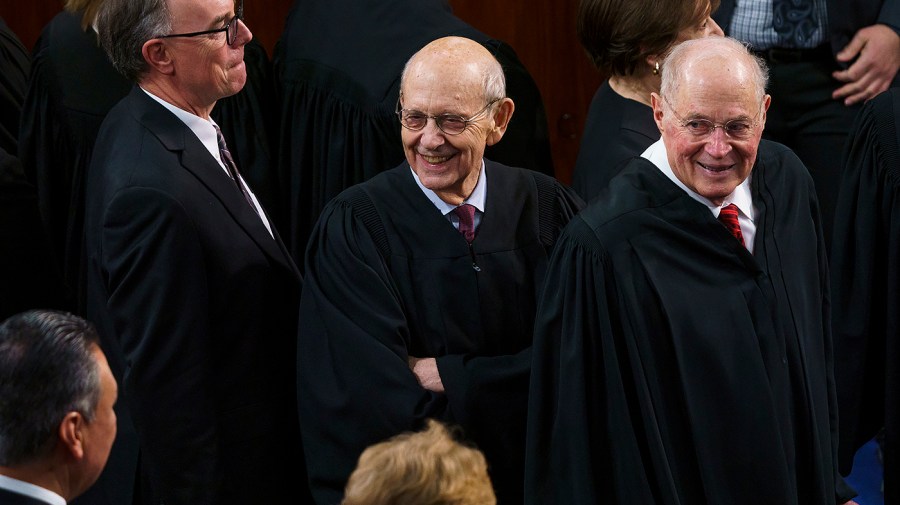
<point x="71" y="435"/>
<point x="767" y="101"/>
<point x="156" y="53"/>
<point x="656" y="103"/>
<point x="503" y="112"/>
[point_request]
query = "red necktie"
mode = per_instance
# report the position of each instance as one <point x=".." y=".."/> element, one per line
<point x="466" y="215"/>
<point x="728" y="216"/>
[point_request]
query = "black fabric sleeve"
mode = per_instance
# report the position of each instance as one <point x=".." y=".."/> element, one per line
<point x="355" y="386"/>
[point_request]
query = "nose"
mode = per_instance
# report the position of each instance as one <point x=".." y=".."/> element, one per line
<point x="432" y="136"/>
<point x="713" y="28"/>
<point x="717" y="144"/>
<point x="244" y="34"/>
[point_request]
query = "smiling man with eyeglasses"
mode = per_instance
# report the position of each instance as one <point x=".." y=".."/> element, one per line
<point x="682" y="348"/>
<point x="189" y="284"/>
<point x="421" y="283"/>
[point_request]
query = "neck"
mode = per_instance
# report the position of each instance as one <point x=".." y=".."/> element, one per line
<point x="39" y="474"/>
<point x="171" y="94"/>
<point x="635" y="87"/>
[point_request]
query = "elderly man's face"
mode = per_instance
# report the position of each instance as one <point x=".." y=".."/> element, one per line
<point x="447" y="164"/>
<point x="715" y="163"/>
<point x="206" y="66"/>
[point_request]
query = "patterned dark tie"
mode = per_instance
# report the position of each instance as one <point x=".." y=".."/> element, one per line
<point x="228" y="161"/>
<point x="728" y="216"/>
<point x="466" y="215"/>
<point x="794" y="22"/>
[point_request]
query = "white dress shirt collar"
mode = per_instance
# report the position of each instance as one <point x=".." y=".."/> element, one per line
<point x="29" y="489"/>
<point x="742" y="196"/>
<point x="476" y="199"/>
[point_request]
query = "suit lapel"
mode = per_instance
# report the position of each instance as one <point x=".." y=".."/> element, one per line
<point x="195" y="158"/>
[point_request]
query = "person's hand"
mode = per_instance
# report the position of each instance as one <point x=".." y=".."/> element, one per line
<point x="426" y="372"/>
<point x="877" y="52"/>
<point x="851" y="502"/>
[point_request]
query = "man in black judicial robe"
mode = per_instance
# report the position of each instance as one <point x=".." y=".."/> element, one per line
<point x="402" y="317"/>
<point x="866" y="288"/>
<point x="338" y="67"/>
<point x="71" y="88"/>
<point x="673" y="361"/>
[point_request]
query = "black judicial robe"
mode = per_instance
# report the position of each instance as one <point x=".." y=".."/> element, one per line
<point x="671" y="366"/>
<point x="389" y="277"/>
<point x="14" y="68"/>
<point x="338" y="68"/>
<point x="25" y="282"/>
<point x="72" y="87"/>
<point x="616" y="129"/>
<point x="866" y="285"/>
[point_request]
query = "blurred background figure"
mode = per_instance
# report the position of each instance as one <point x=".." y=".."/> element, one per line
<point x="339" y="98"/>
<point x="72" y="87"/>
<point x="865" y="265"/>
<point x="424" y="468"/>
<point x="825" y="57"/>
<point x="57" y="422"/>
<point x="25" y="277"/>
<point x="628" y="41"/>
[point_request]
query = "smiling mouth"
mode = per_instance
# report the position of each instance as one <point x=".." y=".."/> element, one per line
<point x="715" y="169"/>
<point x="434" y="160"/>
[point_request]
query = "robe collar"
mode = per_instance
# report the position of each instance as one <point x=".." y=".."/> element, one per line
<point x="476" y="199"/>
<point x="742" y="195"/>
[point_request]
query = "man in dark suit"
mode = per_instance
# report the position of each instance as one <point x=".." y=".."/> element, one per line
<point x="193" y="292"/>
<point x="838" y="54"/>
<point x="57" y="422"/>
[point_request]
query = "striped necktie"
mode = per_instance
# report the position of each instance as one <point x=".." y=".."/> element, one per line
<point x="228" y="161"/>
<point x="728" y="216"/>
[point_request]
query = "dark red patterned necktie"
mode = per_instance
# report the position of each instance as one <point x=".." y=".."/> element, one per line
<point x="728" y="216"/>
<point x="466" y="215"/>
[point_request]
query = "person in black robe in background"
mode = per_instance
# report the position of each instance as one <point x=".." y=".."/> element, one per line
<point x="627" y="41"/>
<point x="24" y="276"/>
<point x="72" y="87"/>
<point x="672" y="362"/>
<point x="865" y="277"/>
<point x="402" y="318"/>
<point x="339" y="89"/>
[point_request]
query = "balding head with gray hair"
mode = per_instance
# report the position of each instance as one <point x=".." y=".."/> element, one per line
<point x="730" y="52"/>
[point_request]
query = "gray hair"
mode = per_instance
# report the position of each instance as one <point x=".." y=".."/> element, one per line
<point x="493" y="78"/>
<point x="125" y="25"/>
<point x="47" y="369"/>
<point x="674" y="68"/>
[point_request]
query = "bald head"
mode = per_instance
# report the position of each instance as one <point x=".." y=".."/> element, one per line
<point x="714" y="58"/>
<point x="468" y="59"/>
<point x="454" y="90"/>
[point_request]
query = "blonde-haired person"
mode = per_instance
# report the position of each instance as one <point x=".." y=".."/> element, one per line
<point x="424" y="468"/>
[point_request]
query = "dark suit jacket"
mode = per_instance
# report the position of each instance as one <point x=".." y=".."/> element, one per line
<point x="845" y="17"/>
<point x="196" y="305"/>
<point x="10" y="498"/>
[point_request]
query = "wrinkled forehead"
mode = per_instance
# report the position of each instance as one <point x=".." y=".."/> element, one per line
<point x="716" y="85"/>
<point x="429" y="81"/>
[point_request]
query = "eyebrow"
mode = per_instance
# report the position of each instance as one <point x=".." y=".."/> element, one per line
<point x="220" y="21"/>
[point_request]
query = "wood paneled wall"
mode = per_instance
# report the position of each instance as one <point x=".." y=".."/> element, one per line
<point x="541" y="32"/>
